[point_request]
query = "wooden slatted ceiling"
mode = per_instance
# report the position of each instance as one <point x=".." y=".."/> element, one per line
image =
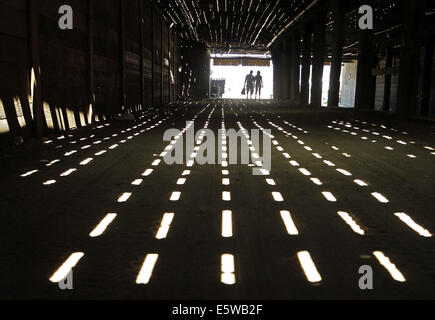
<point x="244" y="24"/>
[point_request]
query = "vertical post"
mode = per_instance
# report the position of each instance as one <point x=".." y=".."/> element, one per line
<point x="413" y="13"/>
<point x="275" y="73"/>
<point x="338" y="14"/>
<point x="318" y="58"/>
<point x="427" y="79"/>
<point x="387" y="87"/>
<point x="365" y="81"/>
<point x="38" y="112"/>
<point x="162" y="78"/>
<point x="122" y="47"/>
<point x="91" y="79"/>
<point x="141" y="43"/>
<point x="295" y="67"/>
<point x="306" y="65"/>
<point x="286" y="69"/>
<point x="169" y="64"/>
<point x="153" y="56"/>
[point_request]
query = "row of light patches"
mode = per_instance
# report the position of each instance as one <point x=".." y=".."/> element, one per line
<point x="305" y="259"/>
<point x="145" y="114"/>
<point x="63" y="138"/>
<point x="345" y="154"/>
<point x="389" y="148"/>
<point x="228" y="268"/>
<point x="377" y="134"/>
<point x="378" y="196"/>
<point x="150" y="261"/>
<point x="102" y="226"/>
<point x="384" y="260"/>
<point x="86" y="147"/>
<point x="87" y="161"/>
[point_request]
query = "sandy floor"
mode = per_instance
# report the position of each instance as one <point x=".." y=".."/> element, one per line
<point x="42" y="225"/>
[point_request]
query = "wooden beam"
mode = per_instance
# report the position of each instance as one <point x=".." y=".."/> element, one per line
<point x="338" y="14"/>
<point x="306" y="65"/>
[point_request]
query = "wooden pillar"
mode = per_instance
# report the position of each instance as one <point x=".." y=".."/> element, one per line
<point x="387" y="86"/>
<point x="91" y="78"/>
<point x="318" y="58"/>
<point x="365" y="81"/>
<point x="141" y="62"/>
<point x="338" y="14"/>
<point x="295" y="68"/>
<point x="306" y="65"/>
<point x="285" y="80"/>
<point x="427" y="79"/>
<point x="162" y="99"/>
<point x="275" y="74"/>
<point x="122" y="47"/>
<point x="38" y="111"/>
<point x="413" y="14"/>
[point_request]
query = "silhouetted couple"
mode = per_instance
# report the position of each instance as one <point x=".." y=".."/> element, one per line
<point x="251" y="82"/>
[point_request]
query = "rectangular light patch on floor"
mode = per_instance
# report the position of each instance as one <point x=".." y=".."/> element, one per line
<point x="147" y="172"/>
<point x="277" y="196"/>
<point x="316" y="181"/>
<point x="361" y="183"/>
<point x="227" y="224"/>
<point x="380" y="197"/>
<point x="329" y="196"/>
<point x="413" y="225"/>
<point x="124" y="197"/>
<point x="348" y="219"/>
<point x="102" y="226"/>
<point x="86" y="162"/>
<point x="66" y="267"/>
<point x="68" y="172"/>
<point x="289" y="224"/>
<point x="226" y="196"/>
<point x="162" y="233"/>
<point x="389" y="266"/>
<point x="175" y="196"/>
<point x="309" y="267"/>
<point x="344" y="172"/>
<point x="228" y="268"/>
<point x="147" y="269"/>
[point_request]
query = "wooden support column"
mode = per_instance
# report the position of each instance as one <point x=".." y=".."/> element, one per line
<point x="427" y="79"/>
<point x="122" y="47"/>
<point x="286" y="53"/>
<point x="338" y="14"/>
<point x="318" y="58"/>
<point x="295" y="68"/>
<point x="412" y="15"/>
<point x="141" y="61"/>
<point x="162" y="82"/>
<point x="306" y="65"/>
<point x="91" y="79"/>
<point x="387" y="86"/>
<point x="38" y="111"/>
<point x="365" y="81"/>
<point x="153" y="56"/>
<point x="275" y="73"/>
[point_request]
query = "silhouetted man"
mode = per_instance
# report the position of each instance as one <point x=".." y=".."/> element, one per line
<point x="249" y="84"/>
<point x="258" y="85"/>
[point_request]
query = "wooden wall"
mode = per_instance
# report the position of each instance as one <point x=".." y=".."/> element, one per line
<point x="118" y="58"/>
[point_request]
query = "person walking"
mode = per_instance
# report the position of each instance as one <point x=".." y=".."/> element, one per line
<point x="249" y="85"/>
<point x="258" y="85"/>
